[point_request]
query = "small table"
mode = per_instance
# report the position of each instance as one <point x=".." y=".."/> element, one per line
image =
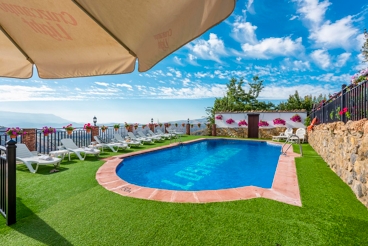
<point x="62" y="153"/>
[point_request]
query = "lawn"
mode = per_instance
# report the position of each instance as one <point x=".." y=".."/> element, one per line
<point x="70" y="208"/>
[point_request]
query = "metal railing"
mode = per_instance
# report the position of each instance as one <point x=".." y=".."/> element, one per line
<point x="8" y="182"/>
<point x="349" y="104"/>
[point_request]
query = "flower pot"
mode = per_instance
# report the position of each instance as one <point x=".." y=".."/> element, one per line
<point x="45" y="134"/>
<point x="13" y="136"/>
<point x="103" y="130"/>
<point x="88" y="130"/>
<point x="116" y="129"/>
<point x="69" y="132"/>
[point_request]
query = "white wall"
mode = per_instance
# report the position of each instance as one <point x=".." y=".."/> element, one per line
<point x="269" y="117"/>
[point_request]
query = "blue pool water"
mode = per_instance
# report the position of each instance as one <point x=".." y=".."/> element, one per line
<point x="205" y="165"/>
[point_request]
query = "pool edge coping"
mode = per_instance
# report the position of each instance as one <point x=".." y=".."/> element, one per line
<point x="285" y="186"/>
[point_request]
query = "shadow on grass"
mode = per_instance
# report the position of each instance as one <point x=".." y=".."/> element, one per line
<point x="43" y="170"/>
<point x="36" y="228"/>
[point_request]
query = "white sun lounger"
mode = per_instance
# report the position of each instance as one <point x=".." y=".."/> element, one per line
<point x="144" y="140"/>
<point x="110" y="145"/>
<point x="149" y="137"/>
<point x="120" y="139"/>
<point x="24" y="155"/>
<point x="72" y="147"/>
<point x="152" y="134"/>
<point x="166" y="135"/>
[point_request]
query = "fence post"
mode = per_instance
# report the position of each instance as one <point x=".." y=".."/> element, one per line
<point x="323" y="112"/>
<point x="94" y="132"/>
<point x="11" y="182"/>
<point x="29" y="139"/>
<point x="343" y="89"/>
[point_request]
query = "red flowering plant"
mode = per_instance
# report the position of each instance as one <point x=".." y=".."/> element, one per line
<point x="48" y="130"/>
<point x="279" y="121"/>
<point x="346" y="112"/>
<point x="296" y="118"/>
<point x="263" y="123"/>
<point x="218" y="117"/>
<point x="88" y="126"/>
<point x="242" y="123"/>
<point x="230" y="121"/>
<point x="14" y="131"/>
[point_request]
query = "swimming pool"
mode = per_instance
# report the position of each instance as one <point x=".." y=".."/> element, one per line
<point x="205" y="165"/>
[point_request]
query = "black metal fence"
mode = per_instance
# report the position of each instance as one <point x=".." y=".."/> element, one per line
<point x="349" y="104"/>
<point x="51" y="142"/>
<point x="8" y="182"/>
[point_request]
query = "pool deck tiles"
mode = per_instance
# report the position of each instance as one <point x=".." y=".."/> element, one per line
<point x="285" y="187"/>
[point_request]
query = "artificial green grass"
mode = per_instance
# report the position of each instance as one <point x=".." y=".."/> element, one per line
<point x="70" y="208"/>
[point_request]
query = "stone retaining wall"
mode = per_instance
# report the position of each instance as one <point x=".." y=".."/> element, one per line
<point x="345" y="149"/>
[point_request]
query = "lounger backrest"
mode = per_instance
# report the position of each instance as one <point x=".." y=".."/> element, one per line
<point x="131" y="135"/>
<point x="98" y="140"/>
<point x="117" y="136"/>
<point x="23" y="151"/>
<point x="141" y="134"/>
<point x="159" y="131"/>
<point x="69" y="143"/>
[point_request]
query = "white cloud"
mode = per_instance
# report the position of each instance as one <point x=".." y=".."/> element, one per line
<point x="186" y="82"/>
<point x="212" y="49"/>
<point x="275" y="92"/>
<point x="201" y="75"/>
<point x="102" y="83"/>
<point x="178" y="61"/>
<point x="335" y="35"/>
<point x="342" y="59"/>
<point x="273" y="47"/>
<point x="360" y="40"/>
<point x="32" y="93"/>
<point x="361" y="63"/>
<point x="243" y="32"/>
<point x="293" y="17"/>
<point x="321" y="58"/>
<point x="176" y="72"/>
<point x="331" y="77"/>
<point x="129" y="87"/>
<point x="193" y="92"/>
<point x="192" y="59"/>
<point x="295" y="65"/>
<point x="312" y="11"/>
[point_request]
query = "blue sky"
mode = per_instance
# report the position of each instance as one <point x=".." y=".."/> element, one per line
<point x="312" y="46"/>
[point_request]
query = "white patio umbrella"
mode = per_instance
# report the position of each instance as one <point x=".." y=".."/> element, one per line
<point x="65" y="38"/>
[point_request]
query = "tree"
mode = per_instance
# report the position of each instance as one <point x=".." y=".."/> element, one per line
<point x="237" y="99"/>
<point x="297" y="102"/>
<point x="364" y="49"/>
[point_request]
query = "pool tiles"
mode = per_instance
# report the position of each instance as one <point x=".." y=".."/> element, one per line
<point x="285" y="187"/>
<point x="201" y="169"/>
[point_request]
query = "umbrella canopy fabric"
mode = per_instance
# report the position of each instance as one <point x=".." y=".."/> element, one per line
<point x="75" y="38"/>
